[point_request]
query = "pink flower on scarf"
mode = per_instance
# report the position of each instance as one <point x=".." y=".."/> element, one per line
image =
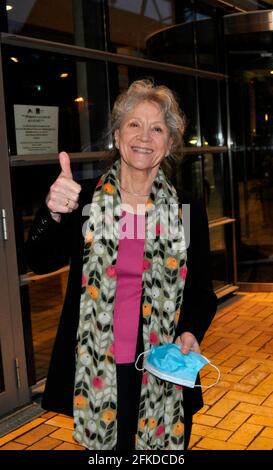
<point x="159" y="229"/>
<point x="183" y="272"/>
<point x="83" y="280"/>
<point x="97" y="382"/>
<point x="145" y="378"/>
<point x="146" y="265"/>
<point x="153" y="337"/>
<point x="99" y="183"/>
<point x="110" y="271"/>
<point x="160" y="430"/>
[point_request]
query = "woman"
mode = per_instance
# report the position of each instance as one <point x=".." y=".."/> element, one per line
<point x="133" y="280"/>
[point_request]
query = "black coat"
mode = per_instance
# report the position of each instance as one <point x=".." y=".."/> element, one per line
<point x="52" y="245"/>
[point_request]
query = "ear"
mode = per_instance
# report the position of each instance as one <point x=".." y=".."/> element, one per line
<point x="116" y="135"/>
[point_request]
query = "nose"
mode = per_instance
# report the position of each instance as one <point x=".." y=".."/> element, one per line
<point x="144" y="134"/>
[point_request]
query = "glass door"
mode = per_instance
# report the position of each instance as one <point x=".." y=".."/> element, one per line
<point x="14" y="391"/>
<point x="249" y="57"/>
<point x="10" y="361"/>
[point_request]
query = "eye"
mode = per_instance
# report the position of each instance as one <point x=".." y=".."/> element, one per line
<point x="133" y="124"/>
<point x="158" y="129"/>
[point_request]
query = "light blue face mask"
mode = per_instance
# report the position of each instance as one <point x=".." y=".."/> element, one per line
<point x="168" y="363"/>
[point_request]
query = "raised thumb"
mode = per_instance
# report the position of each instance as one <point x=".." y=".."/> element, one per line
<point x="65" y="165"/>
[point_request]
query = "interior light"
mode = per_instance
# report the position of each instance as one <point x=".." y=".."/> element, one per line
<point x="193" y="141"/>
<point x="271" y="72"/>
<point x="39" y="88"/>
<point x="80" y="99"/>
<point x="64" y="75"/>
<point x="266" y="117"/>
<point x="14" y="59"/>
<point x="9" y="7"/>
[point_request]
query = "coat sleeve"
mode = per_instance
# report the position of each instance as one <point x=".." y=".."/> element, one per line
<point x="199" y="300"/>
<point x="47" y="246"/>
<point x="50" y="244"/>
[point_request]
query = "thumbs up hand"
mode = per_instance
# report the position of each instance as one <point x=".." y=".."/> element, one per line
<point x="64" y="193"/>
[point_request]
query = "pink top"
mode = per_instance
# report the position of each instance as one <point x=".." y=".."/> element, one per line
<point x="129" y="269"/>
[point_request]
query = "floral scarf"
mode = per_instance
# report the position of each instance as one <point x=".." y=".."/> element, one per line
<point x="161" y="417"/>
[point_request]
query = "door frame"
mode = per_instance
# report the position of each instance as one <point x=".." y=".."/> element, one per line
<point x="16" y="391"/>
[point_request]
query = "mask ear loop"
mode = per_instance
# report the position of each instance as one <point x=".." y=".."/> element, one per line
<point x="138" y="357"/>
<point x="214" y="383"/>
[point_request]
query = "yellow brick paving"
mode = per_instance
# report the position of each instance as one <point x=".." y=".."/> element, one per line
<point x="238" y="411"/>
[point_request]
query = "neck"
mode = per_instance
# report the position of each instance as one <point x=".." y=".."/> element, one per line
<point x="137" y="182"/>
<point x="133" y="193"/>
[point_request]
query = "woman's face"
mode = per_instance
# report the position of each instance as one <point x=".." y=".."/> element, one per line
<point x="143" y="137"/>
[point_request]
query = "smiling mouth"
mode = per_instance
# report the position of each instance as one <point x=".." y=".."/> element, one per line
<point x="142" y="150"/>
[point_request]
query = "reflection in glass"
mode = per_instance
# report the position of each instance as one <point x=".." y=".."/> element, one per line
<point x="77" y="87"/>
<point x="255" y="227"/>
<point x="219" y="256"/>
<point x="208" y="44"/>
<point x="173" y="45"/>
<point x="42" y="299"/>
<point x="205" y="176"/>
<point x="210" y="112"/>
<point x="214" y="187"/>
<point x="2" y="383"/>
<point x="46" y="296"/>
<point x="191" y="175"/>
<point x="79" y="22"/>
<point x="130" y="23"/>
<point x="252" y="131"/>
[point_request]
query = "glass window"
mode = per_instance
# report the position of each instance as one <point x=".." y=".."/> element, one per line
<point x="210" y="112"/>
<point x="209" y="44"/>
<point x="205" y="176"/>
<point x="46" y="295"/>
<point x="75" y="22"/>
<point x="252" y="130"/>
<point x="255" y="225"/>
<point x="220" y="261"/>
<point x="42" y="298"/>
<point x="214" y="185"/>
<point x="192" y="175"/>
<point x="131" y="23"/>
<point x="76" y="88"/>
<point x="173" y="45"/>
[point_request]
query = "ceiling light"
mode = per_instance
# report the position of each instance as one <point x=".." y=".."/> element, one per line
<point x="14" y="59"/>
<point x="80" y="99"/>
<point x="64" y="75"/>
<point x="9" y="7"/>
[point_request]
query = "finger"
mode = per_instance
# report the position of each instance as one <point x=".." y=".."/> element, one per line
<point x="196" y="348"/>
<point x="66" y="187"/>
<point x="62" y="206"/>
<point x="185" y="348"/>
<point x="65" y="165"/>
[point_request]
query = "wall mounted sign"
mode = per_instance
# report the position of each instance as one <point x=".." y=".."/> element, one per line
<point x="36" y="129"/>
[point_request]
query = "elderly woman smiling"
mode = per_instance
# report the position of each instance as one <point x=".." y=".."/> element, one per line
<point x="129" y="290"/>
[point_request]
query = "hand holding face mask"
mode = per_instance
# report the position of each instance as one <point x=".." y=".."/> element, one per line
<point x="168" y="363"/>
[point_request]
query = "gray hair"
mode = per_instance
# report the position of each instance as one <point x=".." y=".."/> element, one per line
<point x="145" y="90"/>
